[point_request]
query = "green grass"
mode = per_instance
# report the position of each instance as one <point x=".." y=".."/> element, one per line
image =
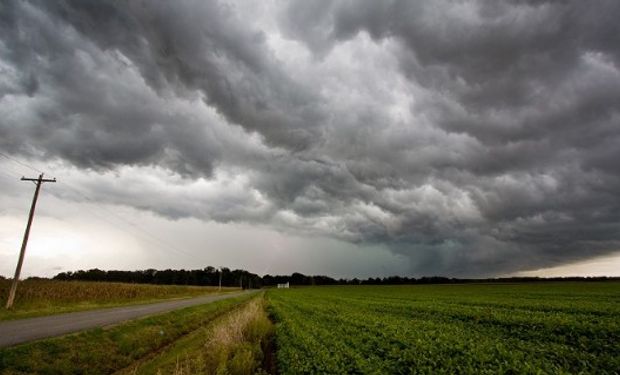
<point x="45" y="297"/>
<point x="550" y="328"/>
<point x="187" y="348"/>
<point x="234" y="343"/>
<point x="103" y="351"/>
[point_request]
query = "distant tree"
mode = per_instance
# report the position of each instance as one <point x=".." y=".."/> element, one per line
<point x="235" y="278"/>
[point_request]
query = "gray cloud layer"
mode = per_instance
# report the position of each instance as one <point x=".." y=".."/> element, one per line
<point x="476" y="137"/>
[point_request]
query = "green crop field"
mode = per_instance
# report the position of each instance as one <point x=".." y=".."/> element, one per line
<point x="512" y="328"/>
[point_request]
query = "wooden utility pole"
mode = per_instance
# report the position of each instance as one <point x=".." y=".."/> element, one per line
<point x="38" y="181"/>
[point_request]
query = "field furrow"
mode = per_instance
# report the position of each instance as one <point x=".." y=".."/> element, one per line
<point x="568" y="328"/>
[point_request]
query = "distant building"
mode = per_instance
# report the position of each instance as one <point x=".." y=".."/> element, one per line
<point x="283" y="286"/>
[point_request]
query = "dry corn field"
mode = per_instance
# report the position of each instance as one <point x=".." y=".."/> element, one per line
<point x="39" y="295"/>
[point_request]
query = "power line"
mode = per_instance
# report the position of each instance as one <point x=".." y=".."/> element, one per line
<point x="20" y="162"/>
<point x="142" y="232"/>
<point x="12" y="169"/>
<point x="152" y="239"/>
<point x="7" y="176"/>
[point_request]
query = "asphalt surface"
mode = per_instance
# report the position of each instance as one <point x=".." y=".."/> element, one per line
<point x="14" y="332"/>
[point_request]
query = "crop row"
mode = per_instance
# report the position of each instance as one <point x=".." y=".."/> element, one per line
<point x="448" y="329"/>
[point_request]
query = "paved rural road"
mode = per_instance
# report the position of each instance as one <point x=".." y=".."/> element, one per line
<point x="23" y="330"/>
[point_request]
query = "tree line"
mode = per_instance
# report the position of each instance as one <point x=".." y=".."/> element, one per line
<point x="204" y="277"/>
<point x="210" y="276"/>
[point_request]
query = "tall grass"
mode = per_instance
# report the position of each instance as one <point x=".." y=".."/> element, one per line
<point x="236" y="345"/>
<point x="105" y="351"/>
<point x="35" y="297"/>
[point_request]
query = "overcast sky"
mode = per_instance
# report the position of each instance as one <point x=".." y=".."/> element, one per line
<point x="348" y="138"/>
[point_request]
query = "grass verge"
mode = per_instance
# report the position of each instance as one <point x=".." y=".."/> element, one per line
<point x="237" y="343"/>
<point x="103" y="351"/>
<point x="46" y="297"/>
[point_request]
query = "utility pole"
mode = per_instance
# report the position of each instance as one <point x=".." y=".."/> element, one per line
<point x="37" y="181"/>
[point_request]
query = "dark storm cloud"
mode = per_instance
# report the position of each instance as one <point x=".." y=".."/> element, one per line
<point x="475" y="137"/>
<point x="197" y="49"/>
<point x="203" y="46"/>
<point x="536" y="86"/>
